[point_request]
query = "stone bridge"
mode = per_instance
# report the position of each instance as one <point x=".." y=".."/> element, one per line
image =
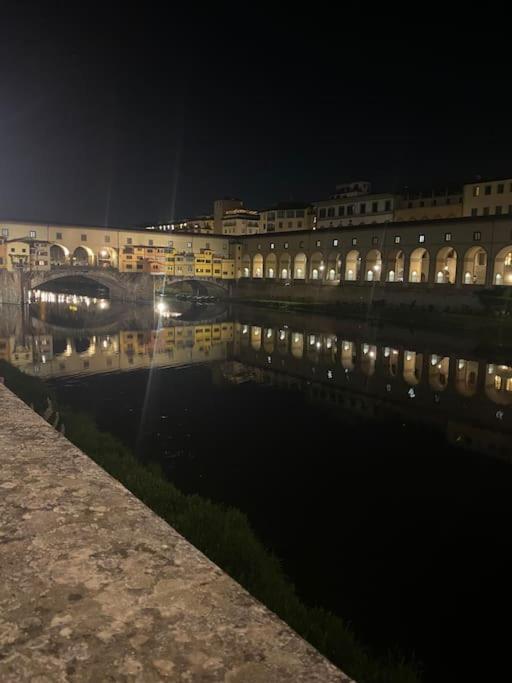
<point x="128" y="287"/>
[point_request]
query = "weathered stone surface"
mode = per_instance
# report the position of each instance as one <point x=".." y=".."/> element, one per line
<point x="95" y="587"/>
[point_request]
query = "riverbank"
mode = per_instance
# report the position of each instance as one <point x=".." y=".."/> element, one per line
<point x="223" y="533"/>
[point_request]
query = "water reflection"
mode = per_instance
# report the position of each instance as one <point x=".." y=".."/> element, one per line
<point x="464" y="391"/>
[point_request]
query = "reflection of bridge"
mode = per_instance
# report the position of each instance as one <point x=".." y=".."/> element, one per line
<point x="130" y="287"/>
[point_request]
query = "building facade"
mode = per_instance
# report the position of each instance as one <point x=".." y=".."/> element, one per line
<point x="288" y="216"/>
<point x="354" y="204"/>
<point x="241" y="222"/>
<point x="424" y="206"/>
<point x="488" y="198"/>
<point x="52" y="245"/>
<point x="460" y="252"/>
<point x="220" y="206"/>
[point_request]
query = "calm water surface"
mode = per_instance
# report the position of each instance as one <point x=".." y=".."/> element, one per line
<point x="375" y="462"/>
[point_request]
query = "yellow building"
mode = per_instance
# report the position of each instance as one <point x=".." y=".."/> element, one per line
<point x="429" y="206"/>
<point x="32" y="254"/>
<point x="488" y="198"/>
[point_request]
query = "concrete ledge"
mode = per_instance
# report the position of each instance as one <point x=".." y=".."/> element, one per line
<point x="95" y="587"/>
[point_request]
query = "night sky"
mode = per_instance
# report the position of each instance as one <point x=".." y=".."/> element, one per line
<point x="127" y="116"/>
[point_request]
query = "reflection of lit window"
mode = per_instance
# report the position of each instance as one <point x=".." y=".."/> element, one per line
<point x="508" y="386"/>
<point x="497" y="382"/>
<point x="508" y="259"/>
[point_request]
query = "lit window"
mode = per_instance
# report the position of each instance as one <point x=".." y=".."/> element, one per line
<point x="286" y="245"/>
<point x="32" y="233"/>
<point x="335" y="243"/>
<point x="421" y="239"/>
<point x="189" y="245"/>
<point x="354" y="241"/>
<point x="477" y="236"/>
<point x="447" y="236"/>
<point x="5" y="232"/>
<point x="476" y="191"/>
<point x="318" y="243"/>
<point x="272" y="245"/>
<point x="397" y="239"/>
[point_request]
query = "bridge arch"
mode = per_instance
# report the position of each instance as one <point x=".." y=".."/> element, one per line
<point x="271" y="266"/>
<point x="59" y="255"/>
<point x="373" y="266"/>
<point x="299" y="266"/>
<point x="419" y="265"/>
<point x="503" y="267"/>
<point x="284" y="267"/>
<point x="446" y="265"/>
<point x="82" y="256"/>
<point x="352" y="265"/>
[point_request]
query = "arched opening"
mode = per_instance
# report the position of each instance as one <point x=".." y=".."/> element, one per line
<point x="368" y="359"/>
<point x="271" y="266"/>
<point x="268" y="340"/>
<point x="282" y="342"/>
<point x="352" y="265"/>
<point x="466" y="375"/>
<point x="256" y="338"/>
<point x="83" y="256"/>
<point x="475" y="266"/>
<point x="419" y="265"/>
<point x="498" y="384"/>
<point x="390" y="361"/>
<point x="438" y="370"/>
<point x="395" y="266"/>
<point x="333" y="267"/>
<point x="373" y="266"/>
<point x="314" y="347"/>
<point x="348" y="355"/>
<point x="446" y="266"/>
<point x="284" y="266"/>
<point x="246" y="266"/>
<point x="297" y="345"/>
<point x="317" y="266"/>
<point x="59" y="255"/>
<point x="107" y="257"/>
<point x="503" y="267"/>
<point x="257" y="266"/>
<point x="299" y="267"/>
<point x="413" y="366"/>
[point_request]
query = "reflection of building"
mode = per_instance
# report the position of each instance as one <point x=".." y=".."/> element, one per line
<point x="463" y="396"/>
<point x="175" y="345"/>
<point x="488" y="198"/>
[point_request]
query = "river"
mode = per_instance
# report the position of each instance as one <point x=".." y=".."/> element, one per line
<point x="374" y="461"/>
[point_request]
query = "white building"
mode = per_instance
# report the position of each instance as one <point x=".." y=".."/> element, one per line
<point x="240" y="222"/>
<point x="355" y="204"/>
<point x="488" y="198"/>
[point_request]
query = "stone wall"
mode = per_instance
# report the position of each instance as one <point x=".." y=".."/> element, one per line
<point x="10" y="289"/>
<point x="95" y="587"/>
<point x="438" y="297"/>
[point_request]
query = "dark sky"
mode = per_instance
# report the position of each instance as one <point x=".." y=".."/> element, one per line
<point x="124" y="116"/>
